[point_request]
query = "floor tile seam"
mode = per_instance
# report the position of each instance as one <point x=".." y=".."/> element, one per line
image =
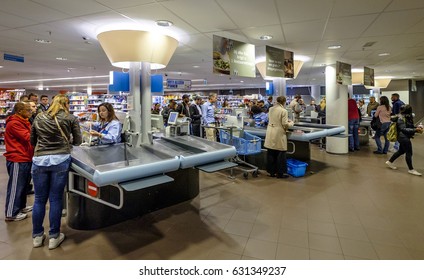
<point x="362" y="227"/>
<point x="375" y="251"/>
<point x="289" y="244"/>
<point x="325" y="252"/>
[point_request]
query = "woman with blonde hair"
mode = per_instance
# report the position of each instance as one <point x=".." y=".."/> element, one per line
<point x="50" y="135"/>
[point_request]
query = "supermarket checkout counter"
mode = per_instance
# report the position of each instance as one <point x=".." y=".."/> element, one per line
<point x="299" y="136"/>
<point x="365" y="130"/>
<point x="113" y="183"/>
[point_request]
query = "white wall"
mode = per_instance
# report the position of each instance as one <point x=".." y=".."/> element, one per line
<point x="403" y="95"/>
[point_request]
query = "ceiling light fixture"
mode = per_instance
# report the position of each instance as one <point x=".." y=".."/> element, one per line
<point x="384" y="54"/>
<point x="334" y="47"/>
<point x="61" y="58"/>
<point x="266" y="37"/>
<point x="1" y="66"/>
<point x="55" y="79"/>
<point x="164" y="23"/>
<point x="42" y="41"/>
<point x="196" y="66"/>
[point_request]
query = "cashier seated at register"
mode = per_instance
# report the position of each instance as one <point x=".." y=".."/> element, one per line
<point x="108" y="128"/>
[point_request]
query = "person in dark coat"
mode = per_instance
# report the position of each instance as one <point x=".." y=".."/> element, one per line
<point x="406" y="130"/>
<point x="196" y="116"/>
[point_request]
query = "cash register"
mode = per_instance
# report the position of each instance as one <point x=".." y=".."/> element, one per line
<point x="177" y="126"/>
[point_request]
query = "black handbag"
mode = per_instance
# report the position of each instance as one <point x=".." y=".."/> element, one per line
<point x="376" y="123"/>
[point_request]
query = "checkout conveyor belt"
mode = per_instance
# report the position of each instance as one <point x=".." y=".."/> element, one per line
<point x="303" y="131"/>
<point x="104" y="165"/>
<point x="131" y="181"/>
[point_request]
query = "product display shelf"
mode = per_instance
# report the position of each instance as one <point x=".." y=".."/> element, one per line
<point x="93" y="101"/>
<point x="8" y="99"/>
<point x="118" y="101"/>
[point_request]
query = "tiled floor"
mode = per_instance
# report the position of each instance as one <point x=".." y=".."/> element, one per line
<point x="352" y="207"/>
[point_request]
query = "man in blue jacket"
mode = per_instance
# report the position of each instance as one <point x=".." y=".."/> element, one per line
<point x="396" y="104"/>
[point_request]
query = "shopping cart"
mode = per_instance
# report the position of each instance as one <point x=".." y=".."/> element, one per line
<point x="245" y="144"/>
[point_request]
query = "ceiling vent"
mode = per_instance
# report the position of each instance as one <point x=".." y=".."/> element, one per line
<point x="368" y="44"/>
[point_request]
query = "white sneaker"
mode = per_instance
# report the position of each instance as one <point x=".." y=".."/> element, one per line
<point x="27" y="209"/>
<point x="38" y="240"/>
<point x="414" y="172"/>
<point x="19" y="217"/>
<point x="391" y="165"/>
<point x="55" y="242"/>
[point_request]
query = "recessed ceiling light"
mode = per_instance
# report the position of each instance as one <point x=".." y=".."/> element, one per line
<point x="1" y="66"/>
<point x="241" y="81"/>
<point x="42" y="41"/>
<point x="384" y="54"/>
<point x="164" y="23"/>
<point x="266" y="37"/>
<point x="196" y="66"/>
<point x="61" y="58"/>
<point x="334" y="47"/>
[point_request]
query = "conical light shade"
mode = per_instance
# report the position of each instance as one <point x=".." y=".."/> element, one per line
<point x="357" y="78"/>
<point x="125" y="46"/>
<point x="262" y="70"/>
<point x="297" y="66"/>
<point x="380" y="83"/>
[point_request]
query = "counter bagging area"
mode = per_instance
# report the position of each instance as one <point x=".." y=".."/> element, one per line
<point x="299" y="137"/>
<point x="110" y="184"/>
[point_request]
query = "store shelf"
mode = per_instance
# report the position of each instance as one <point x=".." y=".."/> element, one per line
<point x="8" y="99"/>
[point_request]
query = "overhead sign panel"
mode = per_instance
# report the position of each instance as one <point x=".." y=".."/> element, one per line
<point x="343" y="73"/>
<point x="279" y="63"/>
<point x="120" y="81"/>
<point x="231" y="57"/>
<point x="178" y="84"/>
<point x="13" y="57"/>
<point x="368" y="76"/>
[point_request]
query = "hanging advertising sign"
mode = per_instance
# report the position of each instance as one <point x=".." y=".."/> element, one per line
<point x="343" y="73"/>
<point x="231" y="57"/>
<point x="368" y="76"/>
<point x="279" y="63"/>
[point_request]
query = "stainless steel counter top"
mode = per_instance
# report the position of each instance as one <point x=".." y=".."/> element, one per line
<point x="108" y="164"/>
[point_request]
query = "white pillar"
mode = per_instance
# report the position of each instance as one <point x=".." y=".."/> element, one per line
<point x="316" y="93"/>
<point x="336" y="110"/>
<point x="146" y="102"/>
<point x="376" y="93"/>
<point x="134" y="104"/>
<point x="279" y="87"/>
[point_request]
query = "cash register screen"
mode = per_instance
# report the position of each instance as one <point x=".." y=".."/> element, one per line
<point x="172" y="119"/>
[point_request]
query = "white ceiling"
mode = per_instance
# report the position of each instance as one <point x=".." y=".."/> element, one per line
<point x="306" y="27"/>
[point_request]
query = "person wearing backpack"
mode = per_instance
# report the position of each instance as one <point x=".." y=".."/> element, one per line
<point x="406" y="130"/>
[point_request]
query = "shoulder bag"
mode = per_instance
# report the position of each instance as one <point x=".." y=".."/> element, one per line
<point x="63" y="134"/>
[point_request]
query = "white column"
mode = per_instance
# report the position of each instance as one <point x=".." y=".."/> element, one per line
<point x="146" y="102"/>
<point x="315" y="93"/>
<point x="134" y="104"/>
<point x="376" y="93"/>
<point x="279" y="87"/>
<point x="336" y="110"/>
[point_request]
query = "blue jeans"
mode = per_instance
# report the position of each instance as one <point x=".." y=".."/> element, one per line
<point x="382" y="132"/>
<point x="49" y="184"/>
<point x="353" y="134"/>
<point x="19" y="179"/>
